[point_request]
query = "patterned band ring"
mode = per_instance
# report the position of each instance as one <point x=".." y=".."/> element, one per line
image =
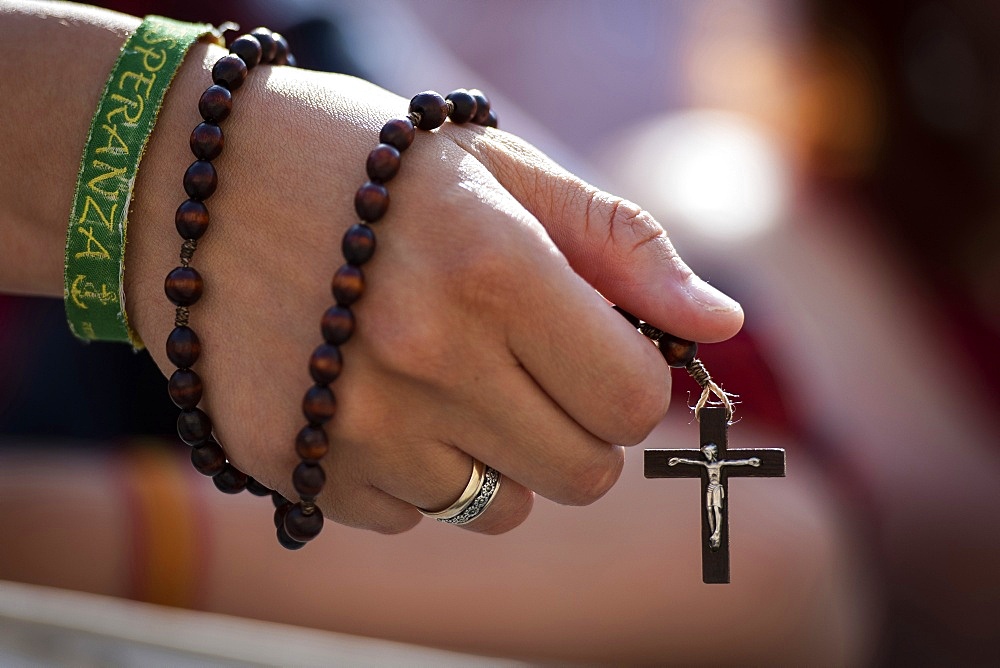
<point x="482" y="500"/>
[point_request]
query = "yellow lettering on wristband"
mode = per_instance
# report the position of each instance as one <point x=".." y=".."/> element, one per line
<point x="95" y="239"/>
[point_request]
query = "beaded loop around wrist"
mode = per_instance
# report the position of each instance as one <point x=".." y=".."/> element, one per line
<point x="300" y="522"/>
<point x="296" y="523"/>
<point x="184" y="285"/>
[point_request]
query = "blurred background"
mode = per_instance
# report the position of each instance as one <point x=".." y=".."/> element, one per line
<point x="832" y="164"/>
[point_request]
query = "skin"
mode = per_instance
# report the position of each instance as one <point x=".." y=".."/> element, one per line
<point x="482" y="332"/>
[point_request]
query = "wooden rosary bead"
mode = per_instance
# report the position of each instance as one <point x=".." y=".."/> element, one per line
<point x="208" y="459"/>
<point x="398" y="133"/>
<point x="185" y="388"/>
<point x="191" y="219"/>
<point x="215" y="103"/>
<point x="325" y="364"/>
<point x="207" y="141"/>
<point x="302" y="526"/>
<point x="371" y="201"/>
<point x="200" y="180"/>
<point x="383" y="163"/>
<point x="277" y="499"/>
<point x="230" y="480"/>
<point x="183" y="286"/>
<point x="491" y="120"/>
<point x="280" y="511"/>
<point x="482" y="107"/>
<point x="183" y="347"/>
<point x="194" y="426"/>
<point x="677" y="352"/>
<point x="308" y="479"/>
<point x="287" y="541"/>
<point x="337" y="325"/>
<point x="311" y="444"/>
<point x="247" y="47"/>
<point x="229" y="72"/>
<point x="463" y="106"/>
<point x="432" y="109"/>
<point x="280" y="50"/>
<point x="267" y="45"/>
<point x="319" y="405"/>
<point x="348" y="284"/>
<point x="256" y="488"/>
<point x="358" y="245"/>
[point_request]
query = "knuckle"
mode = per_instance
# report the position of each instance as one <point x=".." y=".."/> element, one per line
<point x="642" y="409"/>
<point x="591" y="481"/>
<point x="626" y="226"/>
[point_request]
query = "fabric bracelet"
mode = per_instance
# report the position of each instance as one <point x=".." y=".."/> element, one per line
<point x="95" y="241"/>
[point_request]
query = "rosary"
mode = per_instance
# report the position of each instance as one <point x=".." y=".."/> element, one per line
<point x="298" y="522"/>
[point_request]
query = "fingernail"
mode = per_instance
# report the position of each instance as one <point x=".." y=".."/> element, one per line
<point x="709" y="297"/>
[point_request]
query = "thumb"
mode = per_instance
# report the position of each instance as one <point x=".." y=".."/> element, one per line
<point x="613" y="244"/>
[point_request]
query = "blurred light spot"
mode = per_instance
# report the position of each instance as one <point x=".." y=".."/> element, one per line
<point x="713" y="170"/>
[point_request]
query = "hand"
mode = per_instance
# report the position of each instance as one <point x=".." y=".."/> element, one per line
<point x="481" y="332"/>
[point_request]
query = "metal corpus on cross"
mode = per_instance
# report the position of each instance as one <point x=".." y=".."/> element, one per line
<point x="714" y="463"/>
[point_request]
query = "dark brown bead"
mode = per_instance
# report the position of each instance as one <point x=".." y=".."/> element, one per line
<point x="337" y="325"/>
<point x="229" y="71"/>
<point x="371" y="201"/>
<point x="257" y="488"/>
<point x="194" y="426"/>
<point x="267" y="46"/>
<point x="308" y="479"/>
<point x="191" y="219"/>
<point x="383" y="163"/>
<point x="464" y="106"/>
<point x="290" y="60"/>
<point x="281" y="511"/>
<point x="208" y="459"/>
<point x="303" y="526"/>
<point x="311" y="444"/>
<point x="432" y="108"/>
<point x="325" y="364"/>
<point x="230" y="480"/>
<point x="183" y="286"/>
<point x="215" y="104"/>
<point x="491" y="120"/>
<point x="183" y="347"/>
<point x="200" y="180"/>
<point x="248" y="49"/>
<point x="287" y="541"/>
<point x="677" y="352"/>
<point x="319" y="404"/>
<point x="399" y="133"/>
<point x="280" y="49"/>
<point x="348" y="284"/>
<point x="277" y="499"/>
<point x="358" y="245"/>
<point x="207" y="141"/>
<point x="482" y="107"/>
<point x="185" y="388"/>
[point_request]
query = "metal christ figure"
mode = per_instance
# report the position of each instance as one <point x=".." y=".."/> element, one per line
<point x="715" y="493"/>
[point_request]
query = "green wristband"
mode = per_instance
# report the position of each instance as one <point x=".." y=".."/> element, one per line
<point x="95" y="240"/>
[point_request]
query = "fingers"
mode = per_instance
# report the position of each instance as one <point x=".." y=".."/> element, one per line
<point x="613" y="244"/>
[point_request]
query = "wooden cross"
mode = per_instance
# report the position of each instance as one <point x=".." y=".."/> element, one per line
<point x="714" y="470"/>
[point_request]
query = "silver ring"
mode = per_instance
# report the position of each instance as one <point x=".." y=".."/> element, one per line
<point x="481" y="501"/>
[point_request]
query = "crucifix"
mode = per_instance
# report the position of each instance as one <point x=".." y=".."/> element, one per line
<point x="712" y="465"/>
